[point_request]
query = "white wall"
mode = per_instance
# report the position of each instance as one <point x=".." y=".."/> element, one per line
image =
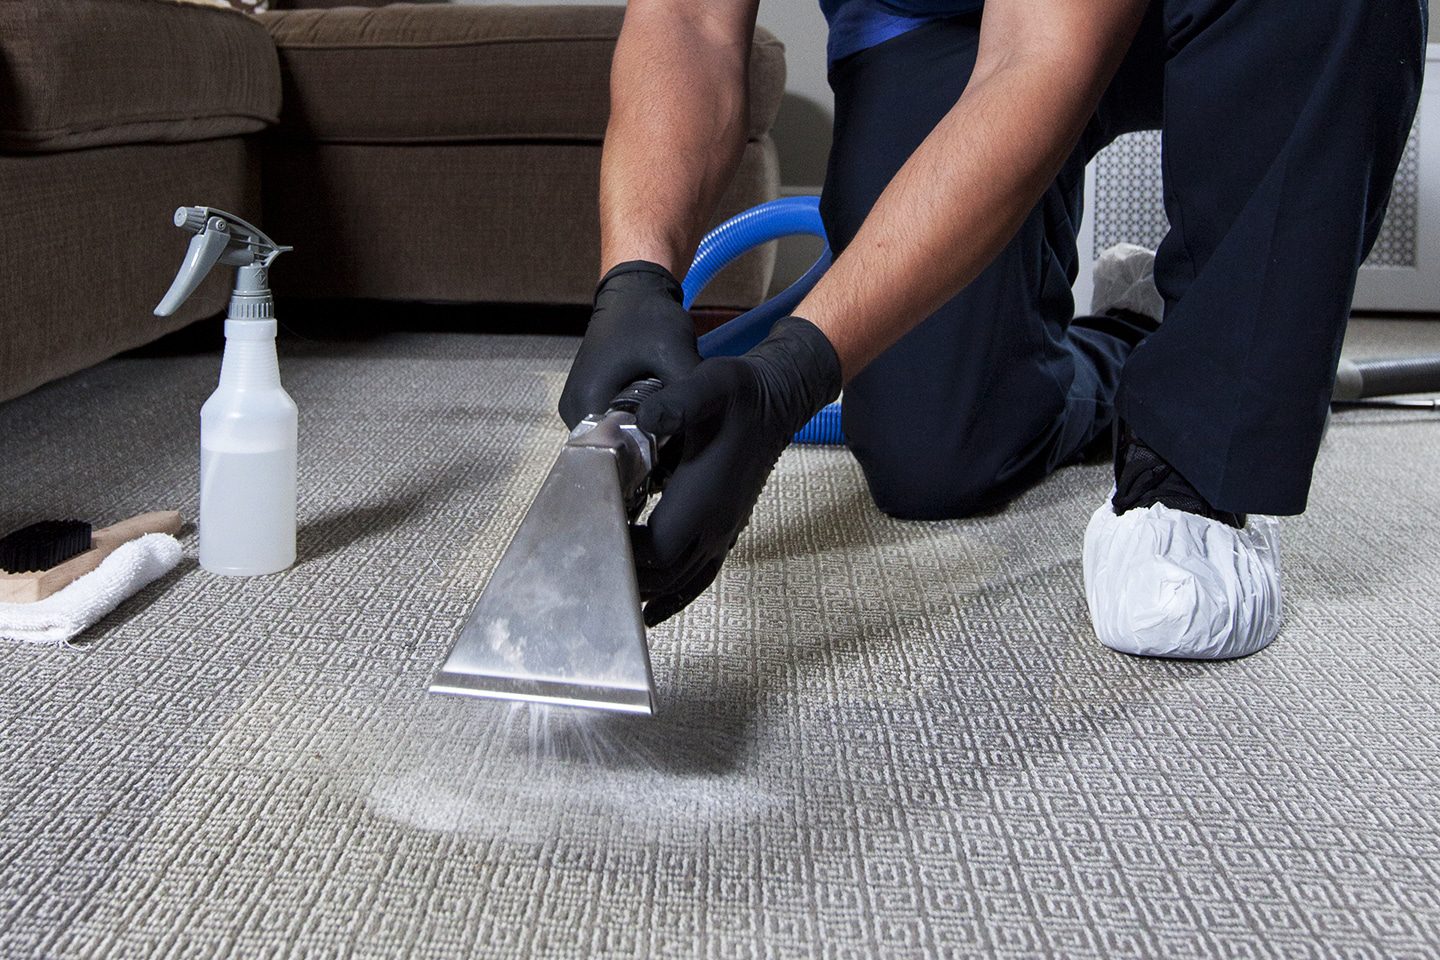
<point x="802" y="131"/>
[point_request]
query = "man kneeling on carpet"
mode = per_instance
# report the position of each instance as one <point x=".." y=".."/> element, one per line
<point x="952" y="201"/>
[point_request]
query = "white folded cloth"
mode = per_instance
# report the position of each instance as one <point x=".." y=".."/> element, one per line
<point x="61" y="616"/>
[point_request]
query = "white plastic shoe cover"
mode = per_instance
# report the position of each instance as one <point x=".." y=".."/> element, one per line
<point x="1166" y="583"/>
<point x="1124" y="278"/>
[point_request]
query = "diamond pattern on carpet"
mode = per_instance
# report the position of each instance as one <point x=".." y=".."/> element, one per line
<point x="876" y="738"/>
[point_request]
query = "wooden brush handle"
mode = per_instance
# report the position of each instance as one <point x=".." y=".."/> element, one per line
<point x="39" y="584"/>
<point x="161" y="521"/>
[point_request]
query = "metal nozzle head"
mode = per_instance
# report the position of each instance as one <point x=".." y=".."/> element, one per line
<point x="559" y="621"/>
<point x="561" y="693"/>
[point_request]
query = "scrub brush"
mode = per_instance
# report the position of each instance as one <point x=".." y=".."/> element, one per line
<point x="43" y="545"/>
<point x="44" y="558"/>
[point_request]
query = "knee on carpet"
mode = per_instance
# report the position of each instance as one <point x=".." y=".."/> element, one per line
<point x="910" y="486"/>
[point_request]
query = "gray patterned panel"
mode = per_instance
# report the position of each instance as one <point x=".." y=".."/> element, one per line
<point x="1129" y="201"/>
<point x="1129" y="205"/>
<point x="876" y="738"/>
<point x="1398" y="242"/>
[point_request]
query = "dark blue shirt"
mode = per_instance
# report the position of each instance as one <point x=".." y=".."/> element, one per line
<point x="858" y="24"/>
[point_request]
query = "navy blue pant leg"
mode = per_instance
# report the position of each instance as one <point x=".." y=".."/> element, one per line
<point x="1284" y="124"/>
<point x="997" y="388"/>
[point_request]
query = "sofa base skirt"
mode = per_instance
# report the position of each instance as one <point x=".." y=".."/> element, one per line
<point x="472" y="223"/>
<point x="90" y="248"/>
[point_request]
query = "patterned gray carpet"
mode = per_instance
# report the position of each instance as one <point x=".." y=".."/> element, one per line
<point x="876" y="739"/>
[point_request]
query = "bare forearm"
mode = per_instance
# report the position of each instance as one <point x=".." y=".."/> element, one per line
<point x="677" y="128"/>
<point x="964" y="192"/>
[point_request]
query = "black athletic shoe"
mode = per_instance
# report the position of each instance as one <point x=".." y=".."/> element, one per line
<point x="1143" y="479"/>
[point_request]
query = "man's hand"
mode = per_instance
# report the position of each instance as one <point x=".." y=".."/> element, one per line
<point x="638" y="329"/>
<point x="732" y="416"/>
<point x="676" y="134"/>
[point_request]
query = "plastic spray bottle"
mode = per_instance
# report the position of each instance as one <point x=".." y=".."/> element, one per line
<point x="248" y="427"/>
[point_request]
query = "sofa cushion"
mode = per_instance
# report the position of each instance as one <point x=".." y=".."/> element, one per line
<point x="411" y="73"/>
<point x="88" y="73"/>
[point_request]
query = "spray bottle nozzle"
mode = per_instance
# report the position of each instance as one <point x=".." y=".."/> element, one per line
<point x="191" y="218"/>
<point x="220" y="237"/>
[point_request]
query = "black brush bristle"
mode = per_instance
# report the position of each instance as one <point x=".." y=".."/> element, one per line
<point x="43" y="545"/>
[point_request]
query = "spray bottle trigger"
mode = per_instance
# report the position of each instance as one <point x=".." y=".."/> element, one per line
<point x="206" y="249"/>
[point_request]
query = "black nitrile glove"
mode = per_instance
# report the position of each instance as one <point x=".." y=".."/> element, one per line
<point x="638" y="329"/>
<point x="732" y="417"/>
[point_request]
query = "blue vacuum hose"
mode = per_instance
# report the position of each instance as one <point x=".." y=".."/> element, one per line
<point x="786" y="217"/>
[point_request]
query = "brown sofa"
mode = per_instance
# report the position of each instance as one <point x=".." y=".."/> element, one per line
<point x="483" y="190"/>
<point x="408" y="152"/>
<point x="113" y="113"/>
